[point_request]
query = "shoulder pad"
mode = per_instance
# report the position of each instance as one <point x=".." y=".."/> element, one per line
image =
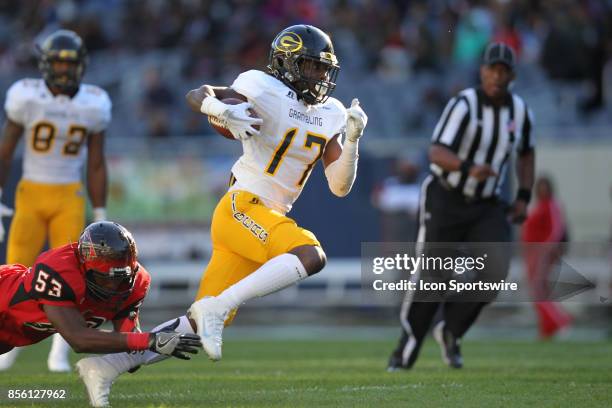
<point x="49" y="284"/>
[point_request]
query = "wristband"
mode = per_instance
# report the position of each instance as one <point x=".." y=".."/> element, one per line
<point x="465" y="166"/>
<point x="138" y="341"/>
<point x="211" y="106"/>
<point x="524" y="194"/>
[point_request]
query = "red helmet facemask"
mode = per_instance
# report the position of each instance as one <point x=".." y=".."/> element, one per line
<point x="108" y="255"/>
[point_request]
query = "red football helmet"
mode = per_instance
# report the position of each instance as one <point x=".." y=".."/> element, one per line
<point x="108" y="255"/>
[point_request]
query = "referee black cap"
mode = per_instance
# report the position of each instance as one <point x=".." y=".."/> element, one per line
<point x="499" y="52"/>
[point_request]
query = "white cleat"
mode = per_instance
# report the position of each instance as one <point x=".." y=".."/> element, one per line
<point x="209" y="316"/>
<point x="57" y="365"/>
<point x="8" y="359"/>
<point x="98" y="376"/>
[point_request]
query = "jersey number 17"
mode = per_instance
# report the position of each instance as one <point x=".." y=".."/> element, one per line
<point x="283" y="147"/>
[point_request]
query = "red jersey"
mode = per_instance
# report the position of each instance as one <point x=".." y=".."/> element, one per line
<point x="57" y="279"/>
<point x="545" y="223"/>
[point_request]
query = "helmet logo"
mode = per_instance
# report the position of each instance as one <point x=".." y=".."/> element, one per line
<point x="289" y="42"/>
<point x="88" y="252"/>
<point x="67" y="54"/>
<point x="329" y="57"/>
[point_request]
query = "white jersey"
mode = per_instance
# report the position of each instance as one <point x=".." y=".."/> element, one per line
<point x="276" y="164"/>
<point x="56" y="128"/>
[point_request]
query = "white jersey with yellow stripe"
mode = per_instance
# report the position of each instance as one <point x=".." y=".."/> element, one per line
<point x="276" y="164"/>
<point x="56" y="128"/>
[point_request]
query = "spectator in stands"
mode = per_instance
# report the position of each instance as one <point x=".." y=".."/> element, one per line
<point x="156" y="104"/>
<point x="473" y="34"/>
<point x="545" y="234"/>
<point x="508" y="34"/>
<point x="594" y="33"/>
<point x="431" y="39"/>
<point x="564" y="56"/>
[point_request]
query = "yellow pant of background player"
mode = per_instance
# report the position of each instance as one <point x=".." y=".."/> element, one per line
<point x="53" y="211"/>
<point x="246" y="234"/>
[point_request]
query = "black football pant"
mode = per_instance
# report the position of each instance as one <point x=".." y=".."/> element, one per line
<point x="5" y="348"/>
<point x="446" y="216"/>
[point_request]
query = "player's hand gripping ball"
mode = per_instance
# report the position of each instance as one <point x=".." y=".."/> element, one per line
<point x="239" y="121"/>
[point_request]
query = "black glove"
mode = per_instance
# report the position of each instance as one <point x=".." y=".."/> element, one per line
<point x="170" y="343"/>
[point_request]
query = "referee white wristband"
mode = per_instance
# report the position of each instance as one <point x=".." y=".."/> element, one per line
<point x="99" y="214"/>
<point x="342" y="172"/>
<point x="211" y="106"/>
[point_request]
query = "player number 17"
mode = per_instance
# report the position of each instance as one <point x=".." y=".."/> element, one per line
<point x="283" y="147"/>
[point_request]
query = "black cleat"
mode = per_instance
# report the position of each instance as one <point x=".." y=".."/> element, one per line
<point x="395" y="364"/>
<point x="449" y="345"/>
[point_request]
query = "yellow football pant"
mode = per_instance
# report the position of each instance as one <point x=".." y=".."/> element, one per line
<point x="246" y="234"/>
<point x="53" y="211"/>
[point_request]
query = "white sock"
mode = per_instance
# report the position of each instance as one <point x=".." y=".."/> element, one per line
<point x="126" y="361"/>
<point x="59" y="348"/>
<point x="8" y="359"/>
<point x="276" y="274"/>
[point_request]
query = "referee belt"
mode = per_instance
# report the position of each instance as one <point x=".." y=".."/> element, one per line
<point x="467" y="199"/>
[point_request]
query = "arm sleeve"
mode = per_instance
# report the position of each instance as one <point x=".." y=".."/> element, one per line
<point x="451" y="127"/>
<point x="16" y="103"/>
<point x="342" y="172"/>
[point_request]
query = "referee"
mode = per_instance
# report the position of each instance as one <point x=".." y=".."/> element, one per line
<point x="470" y="154"/>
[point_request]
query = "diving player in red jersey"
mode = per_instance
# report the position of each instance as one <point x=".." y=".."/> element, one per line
<point x="75" y="288"/>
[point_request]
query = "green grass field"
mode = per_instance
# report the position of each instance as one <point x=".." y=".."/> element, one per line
<point x="346" y="374"/>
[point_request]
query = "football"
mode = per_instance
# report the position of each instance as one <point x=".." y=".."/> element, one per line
<point x="218" y="125"/>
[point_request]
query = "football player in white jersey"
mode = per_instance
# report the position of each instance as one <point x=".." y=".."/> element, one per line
<point x="56" y="115"/>
<point x="257" y="249"/>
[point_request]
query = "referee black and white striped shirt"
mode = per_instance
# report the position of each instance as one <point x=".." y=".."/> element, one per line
<point x="481" y="133"/>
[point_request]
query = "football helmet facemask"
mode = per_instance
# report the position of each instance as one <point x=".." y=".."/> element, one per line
<point x="108" y="256"/>
<point x="302" y="57"/>
<point x="63" y="46"/>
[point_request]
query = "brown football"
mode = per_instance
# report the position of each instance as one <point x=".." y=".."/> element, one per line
<point x="218" y="126"/>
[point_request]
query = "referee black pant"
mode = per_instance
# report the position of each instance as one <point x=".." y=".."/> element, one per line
<point x="446" y="215"/>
